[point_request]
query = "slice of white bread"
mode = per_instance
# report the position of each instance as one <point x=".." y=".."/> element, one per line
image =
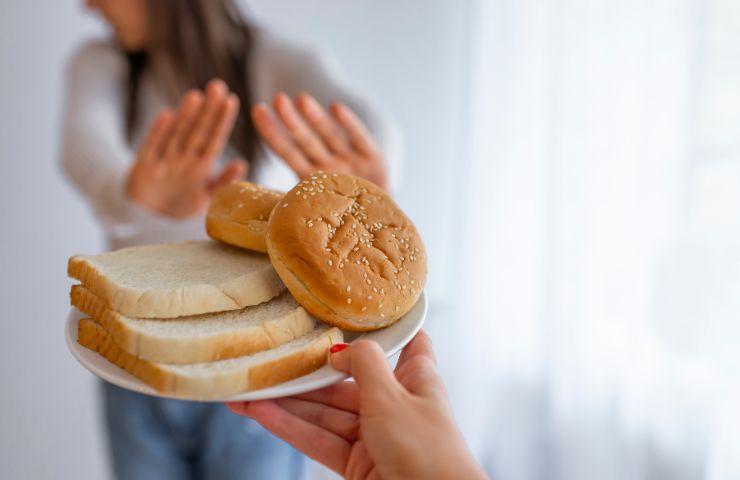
<point x="200" y="338"/>
<point x="177" y="279"/>
<point x="212" y="380"/>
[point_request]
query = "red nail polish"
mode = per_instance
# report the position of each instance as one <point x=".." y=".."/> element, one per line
<point x="338" y="347"/>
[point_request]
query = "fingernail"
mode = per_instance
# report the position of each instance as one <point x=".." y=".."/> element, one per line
<point x="338" y="347"/>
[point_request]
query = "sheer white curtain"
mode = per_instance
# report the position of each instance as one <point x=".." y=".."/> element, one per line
<point x="603" y="240"/>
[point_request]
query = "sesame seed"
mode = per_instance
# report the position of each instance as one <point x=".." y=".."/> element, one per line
<point x="369" y="282"/>
<point x="382" y="291"/>
<point x="382" y="315"/>
<point x="349" y="288"/>
<point x="375" y="289"/>
<point x="369" y="297"/>
<point x="397" y="307"/>
<point x="285" y="205"/>
<point x="349" y="300"/>
<point x="364" y="308"/>
<point x="329" y="262"/>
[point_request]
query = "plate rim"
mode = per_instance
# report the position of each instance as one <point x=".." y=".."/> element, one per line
<point x="328" y="377"/>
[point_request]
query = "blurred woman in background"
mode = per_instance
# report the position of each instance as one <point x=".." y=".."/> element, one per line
<point x="155" y="120"/>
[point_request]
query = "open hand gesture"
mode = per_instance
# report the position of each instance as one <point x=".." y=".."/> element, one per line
<point x="172" y="171"/>
<point x="308" y="138"/>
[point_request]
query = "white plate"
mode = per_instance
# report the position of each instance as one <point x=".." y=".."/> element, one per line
<point x="391" y="339"/>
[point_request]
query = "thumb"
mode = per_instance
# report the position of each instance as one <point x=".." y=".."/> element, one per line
<point x="366" y="362"/>
<point x="235" y="170"/>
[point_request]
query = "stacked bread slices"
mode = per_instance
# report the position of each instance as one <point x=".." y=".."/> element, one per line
<point x="197" y="319"/>
<point x="212" y="318"/>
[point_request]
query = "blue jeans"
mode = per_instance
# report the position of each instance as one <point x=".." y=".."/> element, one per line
<point x="155" y="438"/>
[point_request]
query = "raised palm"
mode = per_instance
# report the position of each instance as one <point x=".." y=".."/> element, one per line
<point x="309" y="138"/>
<point x="171" y="174"/>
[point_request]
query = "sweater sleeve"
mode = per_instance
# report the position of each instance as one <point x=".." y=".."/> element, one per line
<point x="95" y="156"/>
<point x="287" y="67"/>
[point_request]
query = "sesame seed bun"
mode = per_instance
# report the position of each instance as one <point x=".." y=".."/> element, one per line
<point x="238" y="214"/>
<point x="347" y="252"/>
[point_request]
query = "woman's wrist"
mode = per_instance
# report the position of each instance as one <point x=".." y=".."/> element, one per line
<point x="456" y="461"/>
<point x="457" y="465"/>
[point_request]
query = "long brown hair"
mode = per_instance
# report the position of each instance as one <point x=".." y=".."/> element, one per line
<point x="192" y="42"/>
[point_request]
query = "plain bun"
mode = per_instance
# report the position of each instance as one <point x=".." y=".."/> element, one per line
<point x="238" y="214"/>
<point x="347" y="252"/>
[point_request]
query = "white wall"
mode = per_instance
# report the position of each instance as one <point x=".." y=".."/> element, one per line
<point x="409" y="55"/>
<point x="48" y="409"/>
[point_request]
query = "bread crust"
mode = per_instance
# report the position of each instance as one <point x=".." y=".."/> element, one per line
<point x="169" y="381"/>
<point x="217" y="345"/>
<point x="238" y="214"/>
<point x="347" y="252"/>
<point x="91" y="335"/>
<point x="190" y="297"/>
